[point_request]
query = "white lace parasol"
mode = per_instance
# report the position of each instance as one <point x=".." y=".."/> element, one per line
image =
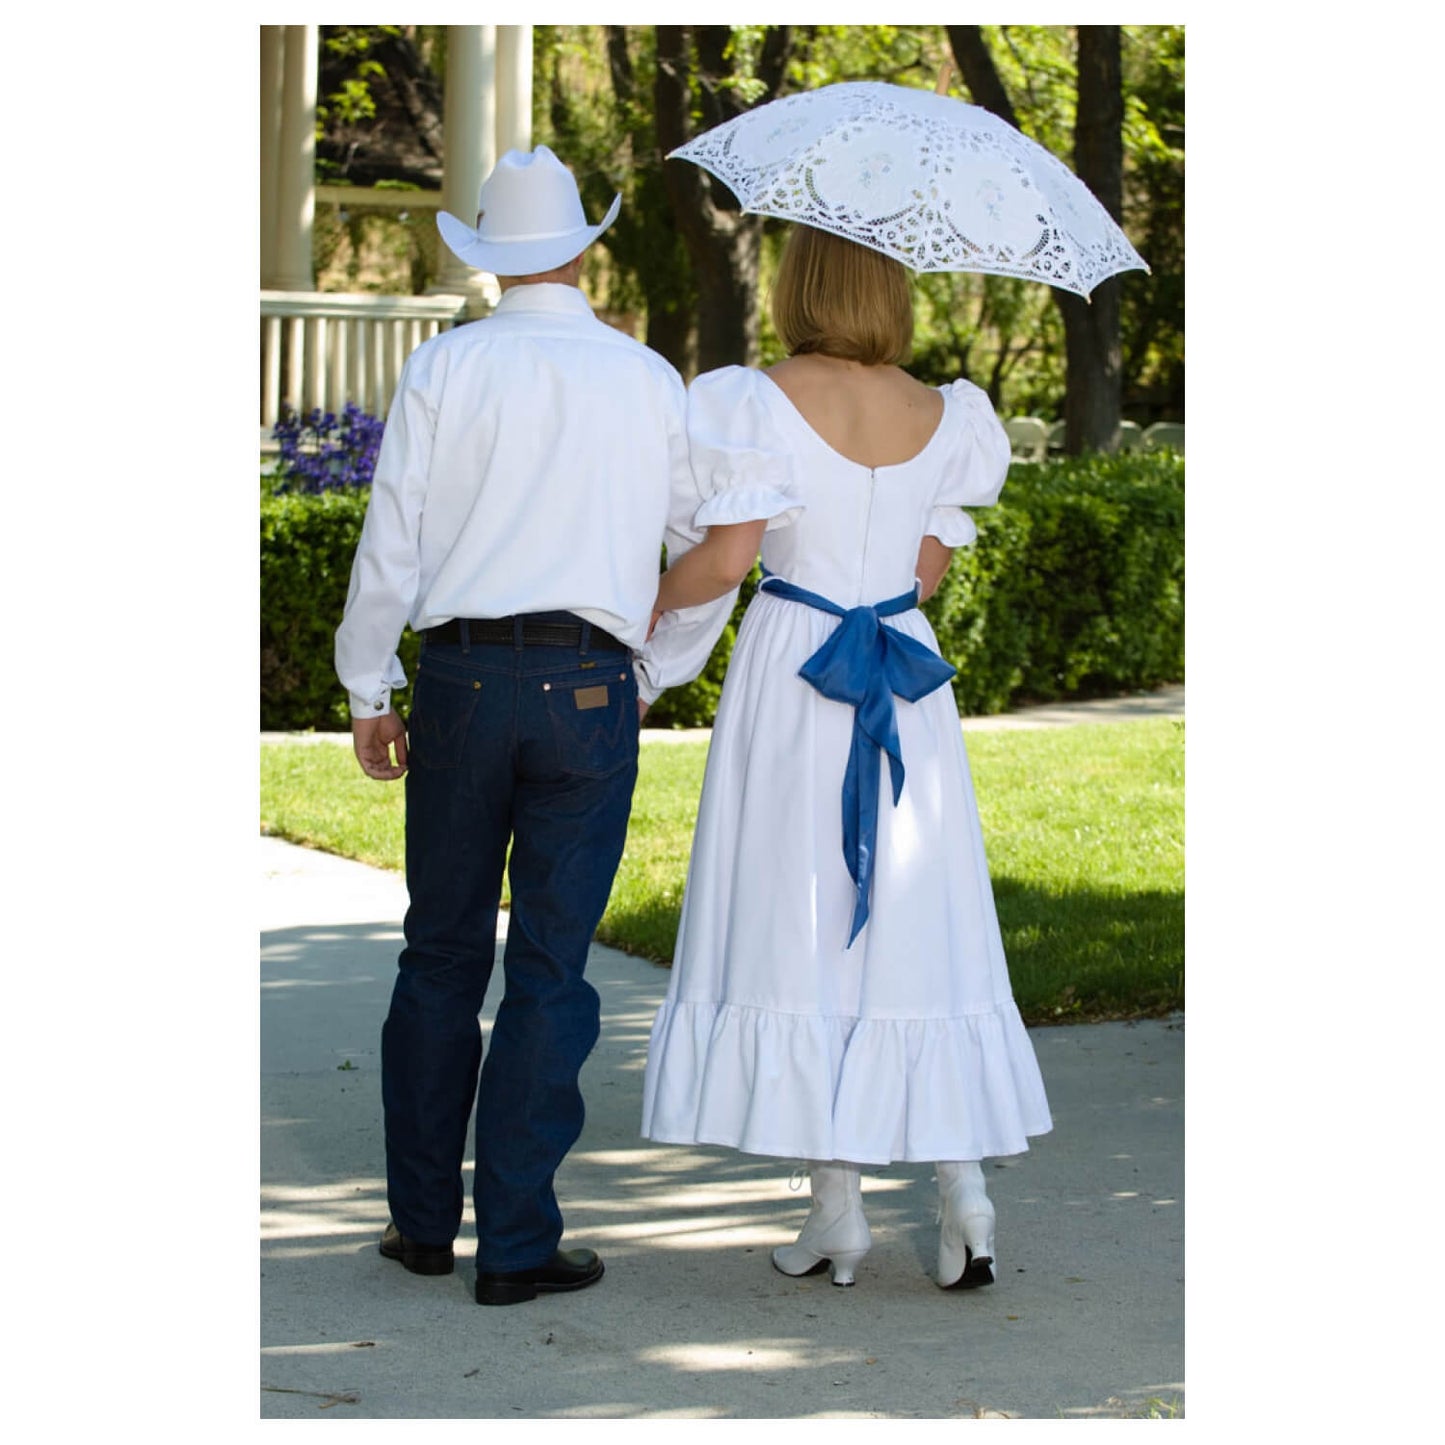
<point x="938" y="184"/>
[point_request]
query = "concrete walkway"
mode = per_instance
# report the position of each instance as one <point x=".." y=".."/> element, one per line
<point x="1087" y="1319"/>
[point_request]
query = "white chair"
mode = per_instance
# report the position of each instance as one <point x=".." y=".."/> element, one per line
<point x="1164" y="436"/>
<point x="1057" y="432"/>
<point x="1028" y="438"/>
<point x="1131" y="436"/>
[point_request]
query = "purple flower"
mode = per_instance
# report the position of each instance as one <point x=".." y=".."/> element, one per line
<point x="322" y="452"/>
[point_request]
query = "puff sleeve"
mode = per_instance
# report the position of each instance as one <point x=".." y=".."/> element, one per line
<point x="739" y="474"/>
<point x="974" y="468"/>
<point x="743" y="472"/>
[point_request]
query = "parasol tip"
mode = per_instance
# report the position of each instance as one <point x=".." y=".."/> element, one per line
<point x="945" y="74"/>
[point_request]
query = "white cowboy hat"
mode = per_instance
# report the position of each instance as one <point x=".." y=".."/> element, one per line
<point x="529" y="218"/>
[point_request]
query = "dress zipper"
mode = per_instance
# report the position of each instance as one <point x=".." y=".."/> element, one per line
<point x="867" y="530"/>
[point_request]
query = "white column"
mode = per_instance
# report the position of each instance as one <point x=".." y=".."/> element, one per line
<point x="271" y="66"/>
<point x="514" y="88"/>
<point x="470" y="149"/>
<point x="296" y="185"/>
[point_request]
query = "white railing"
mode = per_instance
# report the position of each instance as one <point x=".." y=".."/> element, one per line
<point x="324" y="349"/>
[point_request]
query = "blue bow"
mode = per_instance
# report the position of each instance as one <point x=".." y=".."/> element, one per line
<point x="864" y="663"/>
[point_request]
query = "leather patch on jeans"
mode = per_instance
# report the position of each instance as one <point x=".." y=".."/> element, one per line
<point x="590" y="697"/>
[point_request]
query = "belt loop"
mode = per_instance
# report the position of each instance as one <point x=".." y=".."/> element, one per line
<point x="586" y="635"/>
<point x="464" y="636"/>
<point x="517" y="632"/>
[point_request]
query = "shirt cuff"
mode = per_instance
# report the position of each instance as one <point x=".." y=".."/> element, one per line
<point x="376" y="706"/>
<point x="647" y="690"/>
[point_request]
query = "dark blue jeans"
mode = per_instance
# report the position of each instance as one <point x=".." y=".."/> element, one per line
<point x="535" y="746"/>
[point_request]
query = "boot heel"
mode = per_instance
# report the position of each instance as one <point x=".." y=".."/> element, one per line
<point x="965" y="1240"/>
<point x="965" y="1253"/>
<point x="844" y="1263"/>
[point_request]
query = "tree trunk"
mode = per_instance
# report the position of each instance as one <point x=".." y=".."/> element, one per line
<point x="725" y="246"/>
<point x="668" y="295"/>
<point x="1091" y="328"/>
<point x="1092" y="387"/>
<point x="980" y="75"/>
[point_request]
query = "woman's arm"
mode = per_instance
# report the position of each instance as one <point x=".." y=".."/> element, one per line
<point x="933" y="562"/>
<point x="714" y="567"/>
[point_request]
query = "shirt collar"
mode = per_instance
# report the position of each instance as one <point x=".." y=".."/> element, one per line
<point x="543" y="296"/>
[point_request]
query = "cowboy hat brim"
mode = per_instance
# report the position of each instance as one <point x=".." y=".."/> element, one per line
<point x="526" y="257"/>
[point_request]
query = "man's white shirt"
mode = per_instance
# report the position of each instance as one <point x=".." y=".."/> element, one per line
<point x="533" y="461"/>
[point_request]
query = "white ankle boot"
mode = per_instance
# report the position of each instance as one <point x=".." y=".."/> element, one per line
<point x="835" y="1232"/>
<point x="965" y="1239"/>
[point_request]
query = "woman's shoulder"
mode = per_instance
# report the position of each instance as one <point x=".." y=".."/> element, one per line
<point x="965" y="393"/>
<point x="974" y="455"/>
<point x="970" y="408"/>
<point x="725" y="381"/>
<point x="727" y="406"/>
<point x="731" y="400"/>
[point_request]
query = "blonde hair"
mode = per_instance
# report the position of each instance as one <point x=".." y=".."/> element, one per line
<point x="842" y="299"/>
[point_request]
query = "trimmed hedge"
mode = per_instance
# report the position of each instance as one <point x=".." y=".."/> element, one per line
<point x="1074" y="588"/>
<point x="307" y="543"/>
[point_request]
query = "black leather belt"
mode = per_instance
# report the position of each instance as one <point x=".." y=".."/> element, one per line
<point x="542" y="634"/>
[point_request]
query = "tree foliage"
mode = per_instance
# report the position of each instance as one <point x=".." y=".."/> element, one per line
<point x="379" y="108"/>
<point x="1153" y="305"/>
<point x="601" y="113"/>
<point x="1029" y="75"/>
<point x="694" y="273"/>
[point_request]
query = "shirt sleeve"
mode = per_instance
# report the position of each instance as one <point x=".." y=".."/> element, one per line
<point x="385" y="570"/>
<point x="974" y="470"/>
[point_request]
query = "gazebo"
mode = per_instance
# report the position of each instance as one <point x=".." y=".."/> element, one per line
<point x="324" y="349"/>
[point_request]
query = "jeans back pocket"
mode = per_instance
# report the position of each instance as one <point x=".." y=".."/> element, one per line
<point x="593" y="718"/>
<point x="441" y="715"/>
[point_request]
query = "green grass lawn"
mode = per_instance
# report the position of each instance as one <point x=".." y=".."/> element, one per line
<point x="1084" y="828"/>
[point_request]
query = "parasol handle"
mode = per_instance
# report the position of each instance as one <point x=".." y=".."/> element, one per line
<point x="945" y="74"/>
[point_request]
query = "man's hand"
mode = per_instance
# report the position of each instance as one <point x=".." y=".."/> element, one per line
<point x="372" y="739"/>
<point x="641" y="711"/>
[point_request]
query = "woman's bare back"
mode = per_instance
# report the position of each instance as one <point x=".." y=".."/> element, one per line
<point x="876" y="416"/>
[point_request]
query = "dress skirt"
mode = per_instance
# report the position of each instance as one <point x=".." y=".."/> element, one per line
<point x="778" y="1038"/>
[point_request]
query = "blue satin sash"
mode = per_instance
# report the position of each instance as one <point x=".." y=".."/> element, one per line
<point x="864" y="664"/>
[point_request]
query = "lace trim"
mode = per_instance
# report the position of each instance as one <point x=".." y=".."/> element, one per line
<point x="935" y="183"/>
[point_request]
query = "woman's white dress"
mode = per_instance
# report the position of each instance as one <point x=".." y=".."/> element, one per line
<point x="776" y="1037"/>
